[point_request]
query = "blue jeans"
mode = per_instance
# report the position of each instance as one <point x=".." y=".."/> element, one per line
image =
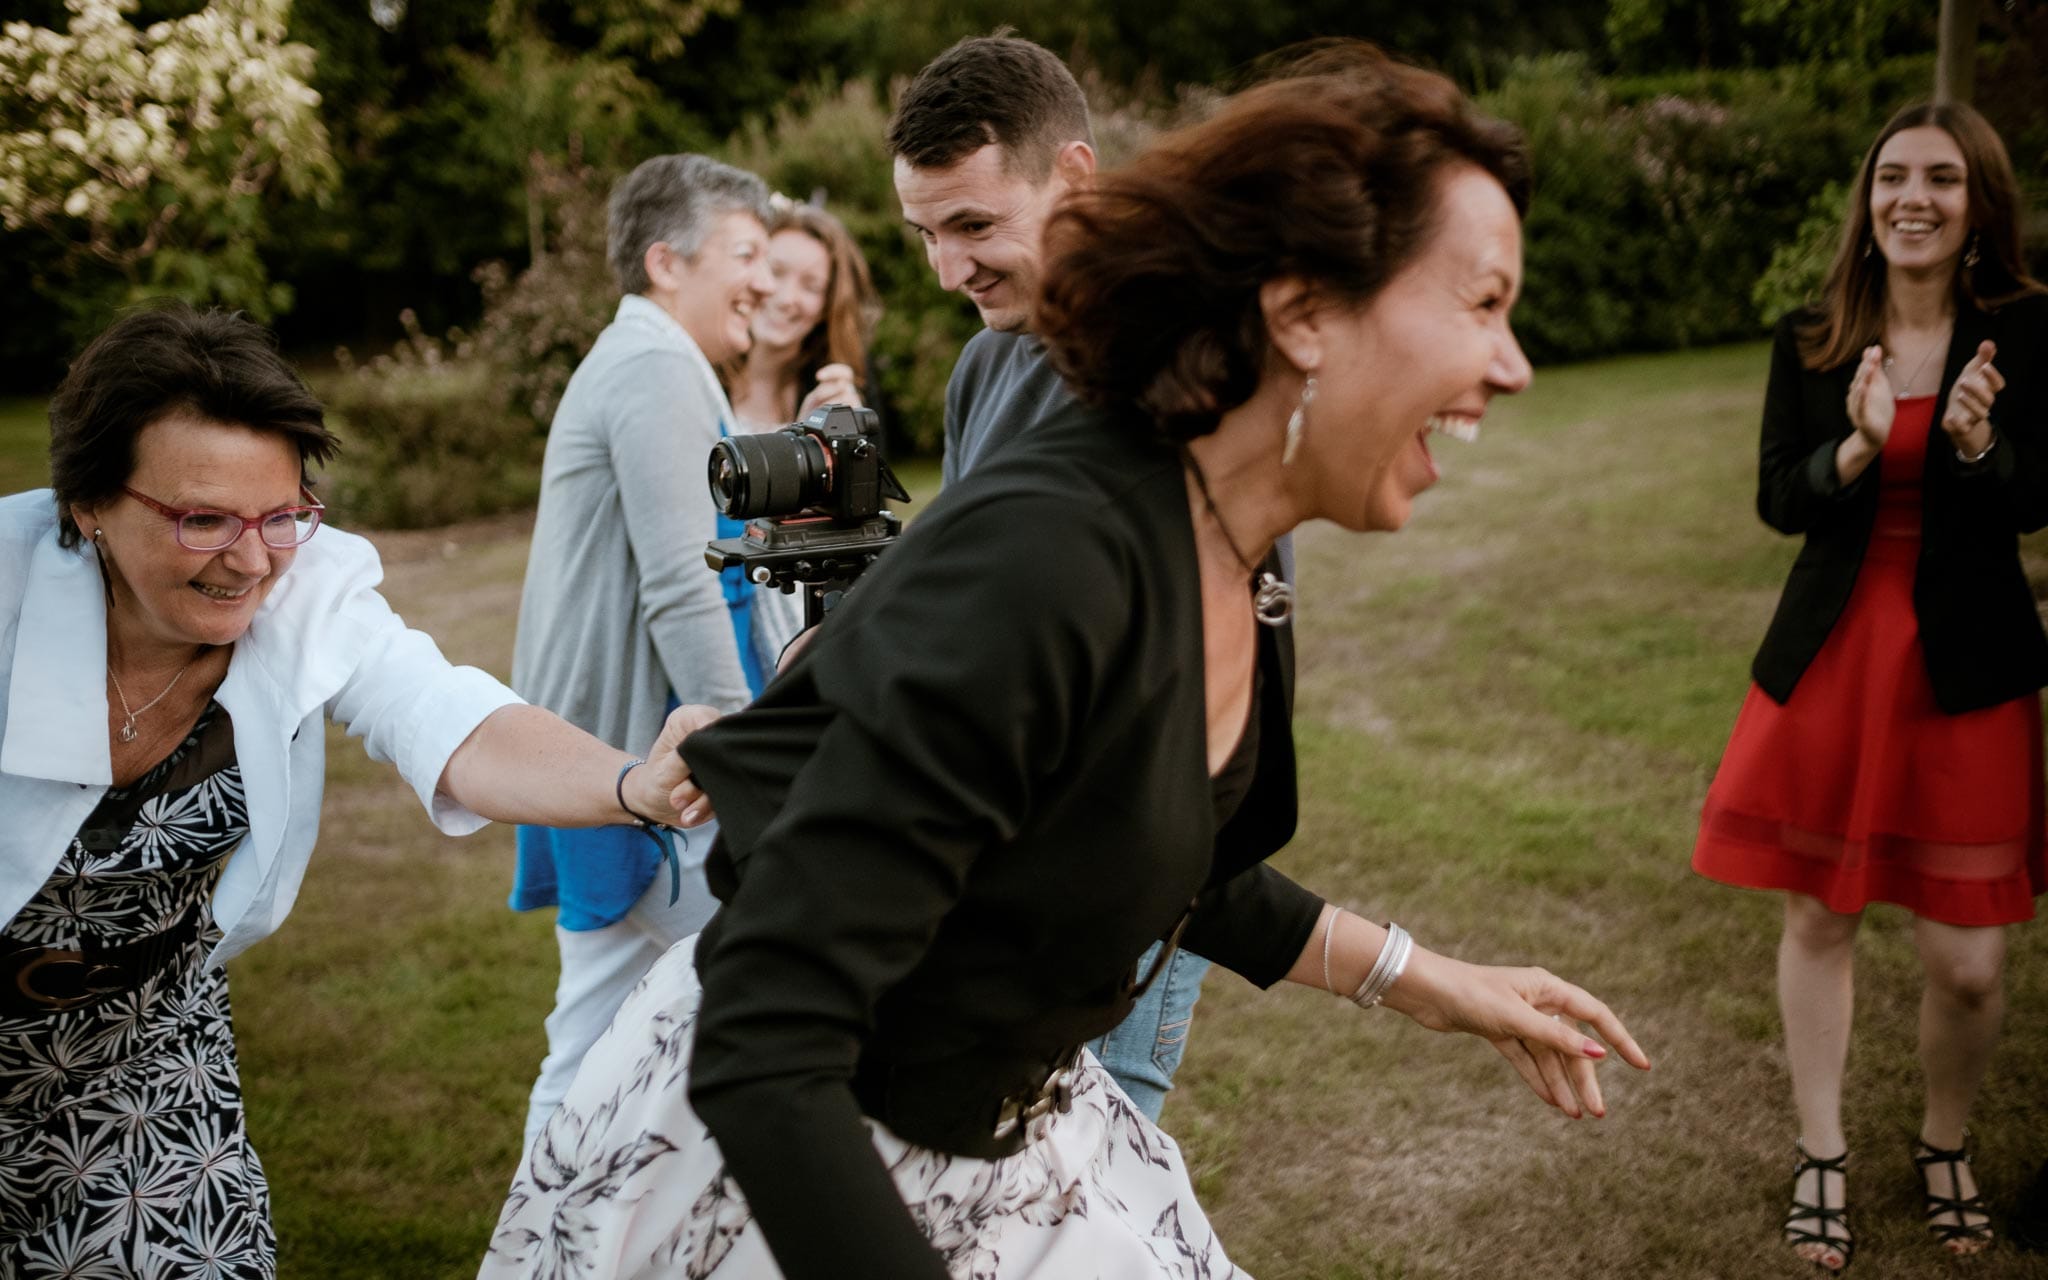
<point x="1145" y="1049"/>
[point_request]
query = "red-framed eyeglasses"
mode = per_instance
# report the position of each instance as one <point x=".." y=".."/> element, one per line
<point x="199" y="529"/>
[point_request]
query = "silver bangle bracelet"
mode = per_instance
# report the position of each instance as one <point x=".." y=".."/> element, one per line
<point x="1969" y="461"/>
<point x="1386" y="970"/>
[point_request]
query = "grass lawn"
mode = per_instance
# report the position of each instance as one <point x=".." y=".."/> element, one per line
<point x="1507" y="717"/>
<point x="24" y="444"/>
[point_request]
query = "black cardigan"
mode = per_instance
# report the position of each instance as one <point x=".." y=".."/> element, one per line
<point x="1979" y="627"/>
<point x="950" y="828"/>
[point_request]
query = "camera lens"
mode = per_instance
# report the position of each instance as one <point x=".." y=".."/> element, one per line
<point x="777" y="473"/>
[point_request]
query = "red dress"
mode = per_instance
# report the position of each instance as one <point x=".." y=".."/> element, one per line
<point x="1859" y="788"/>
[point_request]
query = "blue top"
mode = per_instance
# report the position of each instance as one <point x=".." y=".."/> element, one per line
<point x="594" y="875"/>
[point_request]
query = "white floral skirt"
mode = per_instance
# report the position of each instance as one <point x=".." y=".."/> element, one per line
<point x="626" y="1182"/>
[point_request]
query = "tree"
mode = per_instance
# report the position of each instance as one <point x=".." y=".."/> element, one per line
<point x="149" y="154"/>
<point x="1649" y="34"/>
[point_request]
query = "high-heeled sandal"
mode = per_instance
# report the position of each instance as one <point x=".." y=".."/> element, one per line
<point x="1972" y="1237"/>
<point x="1821" y="1216"/>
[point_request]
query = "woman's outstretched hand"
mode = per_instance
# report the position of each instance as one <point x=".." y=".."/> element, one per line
<point x="1531" y="1016"/>
<point x="664" y="785"/>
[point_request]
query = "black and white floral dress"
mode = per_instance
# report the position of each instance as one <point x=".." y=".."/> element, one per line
<point x="123" y="1151"/>
<point x="626" y="1182"/>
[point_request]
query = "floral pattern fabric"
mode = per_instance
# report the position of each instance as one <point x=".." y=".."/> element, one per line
<point x="626" y="1182"/>
<point x="123" y="1151"/>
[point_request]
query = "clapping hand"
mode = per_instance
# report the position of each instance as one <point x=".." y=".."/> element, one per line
<point x="1871" y="403"/>
<point x="835" y="386"/>
<point x="1969" y="402"/>
<point x="1530" y="1016"/>
<point x="663" y="789"/>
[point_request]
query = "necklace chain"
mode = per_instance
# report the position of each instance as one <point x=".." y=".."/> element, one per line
<point x="1900" y="392"/>
<point x="128" y="728"/>
<point x="1272" y="599"/>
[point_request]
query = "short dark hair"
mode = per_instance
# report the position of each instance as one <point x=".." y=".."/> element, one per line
<point x="1152" y="280"/>
<point x="159" y="360"/>
<point x="673" y="200"/>
<point x="986" y="89"/>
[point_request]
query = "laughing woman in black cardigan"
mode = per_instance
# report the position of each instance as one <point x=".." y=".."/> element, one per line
<point x="1048" y="730"/>
<point x="1890" y="749"/>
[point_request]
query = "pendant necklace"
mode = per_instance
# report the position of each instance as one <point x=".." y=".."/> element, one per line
<point x="127" y="732"/>
<point x="1272" y="599"/>
<point x="1901" y="392"/>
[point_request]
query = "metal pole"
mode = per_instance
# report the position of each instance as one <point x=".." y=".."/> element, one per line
<point x="1955" y="59"/>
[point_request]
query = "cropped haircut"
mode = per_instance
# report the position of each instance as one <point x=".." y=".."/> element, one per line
<point x="169" y="359"/>
<point x="991" y="89"/>
<point x="1330" y="174"/>
<point x="673" y="200"/>
<point x="1851" y="312"/>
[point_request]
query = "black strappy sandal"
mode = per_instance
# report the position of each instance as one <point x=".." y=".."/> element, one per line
<point x="1820" y="1216"/>
<point x="1975" y="1237"/>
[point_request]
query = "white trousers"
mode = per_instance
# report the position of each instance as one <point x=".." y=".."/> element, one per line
<point x="600" y="968"/>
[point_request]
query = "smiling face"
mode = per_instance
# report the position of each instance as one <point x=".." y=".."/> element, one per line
<point x="165" y="595"/>
<point x="1919" y="200"/>
<point x="983" y="227"/>
<point x="1428" y="353"/>
<point x="714" y="294"/>
<point x="801" y="270"/>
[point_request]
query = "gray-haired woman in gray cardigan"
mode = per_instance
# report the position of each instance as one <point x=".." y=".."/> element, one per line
<point x="619" y="619"/>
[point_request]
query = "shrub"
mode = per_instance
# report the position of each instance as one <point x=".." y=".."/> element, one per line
<point x="539" y="323"/>
<point x="1799" y="266"/>
<point x="427" y="438"/>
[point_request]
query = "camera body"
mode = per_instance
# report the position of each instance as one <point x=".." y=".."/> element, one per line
<point x="812" y="495"/>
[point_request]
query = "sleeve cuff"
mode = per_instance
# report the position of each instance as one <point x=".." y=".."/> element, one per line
<point x="451" y="710"/>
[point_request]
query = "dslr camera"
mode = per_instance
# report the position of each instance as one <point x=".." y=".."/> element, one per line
<point x="811" y="494"/>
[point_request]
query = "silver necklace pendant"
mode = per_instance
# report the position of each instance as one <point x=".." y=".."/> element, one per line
<point x="1272" y="601"/>
<point x="128" y="732"/>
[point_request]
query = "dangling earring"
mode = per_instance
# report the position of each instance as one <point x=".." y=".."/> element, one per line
<point x="1970" y="255"/>
<point x="1870" y="246"/>
<point x="99" y="546"/>
<point x="1297" y="421"/>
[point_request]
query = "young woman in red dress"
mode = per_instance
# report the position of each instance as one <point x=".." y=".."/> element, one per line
<point x="1890" y="749"/>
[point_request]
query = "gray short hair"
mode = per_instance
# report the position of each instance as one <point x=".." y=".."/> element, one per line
<point x="673" y="199"/>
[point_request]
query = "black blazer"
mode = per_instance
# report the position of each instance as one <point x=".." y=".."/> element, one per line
<point x="950" y="828"/>
<point x="1979" y="627"/>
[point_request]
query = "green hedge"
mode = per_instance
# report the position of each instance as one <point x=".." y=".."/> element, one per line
<point x="1659" y="204"/>
<point x="1670" y="211"/>
<point x="427" y="439"/>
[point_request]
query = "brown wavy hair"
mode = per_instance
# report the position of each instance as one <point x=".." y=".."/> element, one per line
<point x="852" y="306"/>
<point x="1328" y="173"/>
<point x="1851" y="312"/>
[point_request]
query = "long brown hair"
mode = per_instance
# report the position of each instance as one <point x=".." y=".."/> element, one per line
<point x="1851" y="313"/>
<point x="851" y="304"/>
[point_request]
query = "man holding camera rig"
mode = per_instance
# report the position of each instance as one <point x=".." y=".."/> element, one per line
<point x="618" y="619"/>
<point x="987" y="139"/>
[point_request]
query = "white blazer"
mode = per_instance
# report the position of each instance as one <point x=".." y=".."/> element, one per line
<point x="324" y="644"/>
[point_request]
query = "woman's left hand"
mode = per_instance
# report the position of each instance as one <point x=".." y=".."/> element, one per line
<point x="1966" y="420"/>
<point x="835" y="386"/>
<point x="1530" y="1016"/>
<point x="662" y="789"/>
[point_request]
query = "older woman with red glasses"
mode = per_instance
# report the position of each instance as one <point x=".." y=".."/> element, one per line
<point x="173" y="637"/>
